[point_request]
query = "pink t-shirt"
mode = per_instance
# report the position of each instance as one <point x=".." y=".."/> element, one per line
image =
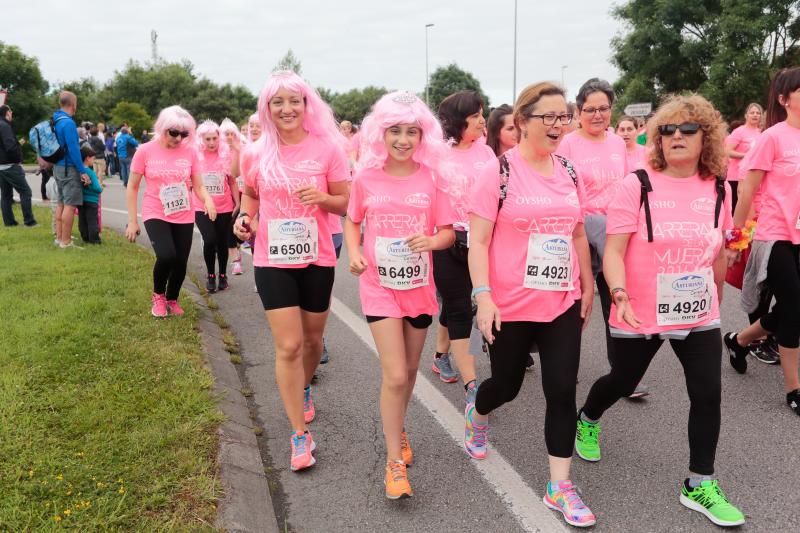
<point x="167" y="174"/>
<point x="395" y="208"/>
<point x="601" y="165"/>
<point x="539" y="212"/>
<point x="215" y="171"/>
<point x="744" y="139"/>
<point x="662" y="274"/>
<point x="777" y="152"/>
<point x="636" y="158"/>
<point x="313" y="161"/>
<point x="469" y="164"/>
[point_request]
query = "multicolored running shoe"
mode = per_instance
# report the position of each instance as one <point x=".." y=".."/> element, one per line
<point x="566" y="498"/>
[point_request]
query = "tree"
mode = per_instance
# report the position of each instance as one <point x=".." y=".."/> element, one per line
<point x="447" y="80"/>
<point x="89" y="108"/>
<point x="21" y="77"/>
<point x="725" y="49"/>
<point x="133" y="114"/>
<point x="356" y="103"/>
<point x="289" y="62"/>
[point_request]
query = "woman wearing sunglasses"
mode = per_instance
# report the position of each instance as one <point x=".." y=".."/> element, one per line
<point x="601" y="160"/>
<point x="530" y="266"/>
<point x="772" y="166"/>
<point x="170" y="168"/>
<point x="665" y="263"/>
<point x="295" y="175"/>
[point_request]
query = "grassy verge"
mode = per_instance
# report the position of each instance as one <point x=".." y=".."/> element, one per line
<point x="107" y="420"/>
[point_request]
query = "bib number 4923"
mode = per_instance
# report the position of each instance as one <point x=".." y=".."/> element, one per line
<point x="548" y="265"/>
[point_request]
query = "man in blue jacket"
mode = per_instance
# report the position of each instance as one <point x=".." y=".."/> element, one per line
<point x="70" y="174"/>
<point x="12" y="176"/>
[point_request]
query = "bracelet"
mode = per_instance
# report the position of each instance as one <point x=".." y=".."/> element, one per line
<point x="477" y="290"/>
<point x="739" y="239"/>
<point x="615" y="290"/>
<point x="241" y="215"/>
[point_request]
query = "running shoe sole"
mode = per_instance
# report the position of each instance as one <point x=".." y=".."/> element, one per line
<point x="566" y="519"/>
<point x="694" y="506"/>
<point x="313" y="459"/>
<point x="402" y="496"/>
<point x="591" y="460"/>
<point x="438" y="372"/>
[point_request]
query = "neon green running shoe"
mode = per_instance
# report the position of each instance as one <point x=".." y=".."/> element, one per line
<point x="586" y="443"/>
<point x="709" y="499"/>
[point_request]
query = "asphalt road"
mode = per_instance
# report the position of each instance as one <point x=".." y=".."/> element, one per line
<point x="634" y="488"/>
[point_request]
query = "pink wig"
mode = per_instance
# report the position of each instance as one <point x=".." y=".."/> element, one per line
<point x="403" y="107"/>
<point x="318" y="120"/>
<point x="228" y="125"/>
<point x="209" y="126"/>
<point x="175" y="117"/>
<point x="253" y="118"/>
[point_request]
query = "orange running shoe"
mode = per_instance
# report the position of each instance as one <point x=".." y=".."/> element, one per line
<point x="397" y="485"/>
<point x="405" y="449"/>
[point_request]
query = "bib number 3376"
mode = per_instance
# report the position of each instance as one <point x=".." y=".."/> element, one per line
<point x="293" y="241"/>
<point x="549" y="262"/>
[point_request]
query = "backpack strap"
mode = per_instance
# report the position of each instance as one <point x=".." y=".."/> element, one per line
<point x="570" y="169"/>
<point x="504" y="176"/>
<point x="647" y="187"/>
<point x="720" y="187"/>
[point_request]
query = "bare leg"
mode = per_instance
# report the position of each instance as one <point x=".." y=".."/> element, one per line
<point x="289" y="361"/>
<point x="388" y="335"/>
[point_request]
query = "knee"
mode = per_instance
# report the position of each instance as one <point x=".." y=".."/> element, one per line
<point x="395" y="379"/>
<point x="167" y="257"/>
<point x="288" y="350"/>
<point x="313" y="345"/>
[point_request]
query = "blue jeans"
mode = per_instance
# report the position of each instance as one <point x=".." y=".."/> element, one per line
<point x="125" y="169"/>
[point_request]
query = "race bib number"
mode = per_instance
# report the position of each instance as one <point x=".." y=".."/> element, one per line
<point x="683" y="298"/>
<point x="398" y="267"/>
<point x="549" y="263"/>
<point x="214" y="183"/>
<point x="174" y="198"/>
<point x="293" y="241"/>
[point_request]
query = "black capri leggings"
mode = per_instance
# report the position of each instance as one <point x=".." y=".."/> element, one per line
<point x="215" y="239"/>
<point x="172" y="244"/>
<point x="700" y="354"/>
<point x="783" y="279"/>
<point x="559" y="344"/>
<point x="451" y="275"/>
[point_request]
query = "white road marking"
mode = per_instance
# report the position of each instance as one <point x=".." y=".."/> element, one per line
<point x="523" y="502"/>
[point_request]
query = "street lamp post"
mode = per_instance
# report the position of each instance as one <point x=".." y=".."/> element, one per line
<point x="514" y="88"/>
<point x="427" y="72"/>
<point x="563" y="77"/>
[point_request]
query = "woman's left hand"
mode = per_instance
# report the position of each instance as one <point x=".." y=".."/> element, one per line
<point x="310" y="195"/>
<point x="587" y="299"/>
<point x="732" y="256"/>
<point x="420" y="243"/>
<point x="210" y="209"/>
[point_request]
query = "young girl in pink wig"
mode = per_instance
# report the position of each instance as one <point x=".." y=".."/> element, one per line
<point x="215" y="168"/>
<point x="400" y="179"/>
<point x="295" y="175"/>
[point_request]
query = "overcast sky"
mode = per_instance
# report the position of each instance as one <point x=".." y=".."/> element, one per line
<point x="342" y="44"/>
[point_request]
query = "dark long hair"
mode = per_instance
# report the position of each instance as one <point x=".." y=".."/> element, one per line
<point x="495" y="124"/>
<point x="454" y="110"/>
<point x="785" y="82"/>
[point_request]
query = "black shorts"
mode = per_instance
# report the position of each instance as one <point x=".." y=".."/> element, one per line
<point x="308" y="288"/>
<point x="417" y="322"/>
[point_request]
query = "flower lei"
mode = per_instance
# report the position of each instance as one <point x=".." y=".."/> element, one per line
<point x="739" y="238"/>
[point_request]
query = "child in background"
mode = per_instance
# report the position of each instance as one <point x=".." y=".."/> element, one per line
<point x="88" y="223"/>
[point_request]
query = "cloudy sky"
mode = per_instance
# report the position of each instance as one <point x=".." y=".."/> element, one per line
<point x="342" y="44"/>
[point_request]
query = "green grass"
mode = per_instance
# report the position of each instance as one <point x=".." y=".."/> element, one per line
<point x="107" y="420"/>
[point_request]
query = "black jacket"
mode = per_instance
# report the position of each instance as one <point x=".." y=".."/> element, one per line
<point x="10" y="151"/>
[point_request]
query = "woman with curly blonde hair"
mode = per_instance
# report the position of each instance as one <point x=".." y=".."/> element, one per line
<point x="665" y="265"/>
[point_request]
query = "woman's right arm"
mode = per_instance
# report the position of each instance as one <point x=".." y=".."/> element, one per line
<point x="249" y="207"/>
<point x="352" y="241"/>
<point x="747" y="191"/>
<point x="614" y="272"/>
<point x="132" y="197"/>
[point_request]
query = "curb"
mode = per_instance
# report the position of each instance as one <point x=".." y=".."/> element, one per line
<point x="247" y="505"/>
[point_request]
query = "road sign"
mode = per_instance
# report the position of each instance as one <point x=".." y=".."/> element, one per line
<point x="639" y="110"/>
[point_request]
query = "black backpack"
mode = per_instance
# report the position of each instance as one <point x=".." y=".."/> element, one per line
<point x="505" y="174"/>
<point x="647" y="187"/>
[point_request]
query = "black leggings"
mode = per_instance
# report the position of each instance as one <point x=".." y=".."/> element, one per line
<point x="559" y="352"/>
<point x="172" y="244"/>
<point x="783" y="278"/>
<point x="451" y="274"/>
<point x="215" y="239"/>
<point x="700" y="354"/>
<point x="604" y="292"/>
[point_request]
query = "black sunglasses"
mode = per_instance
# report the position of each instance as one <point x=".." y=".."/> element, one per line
<point x="687" y="128"/>
<point x="176" y="133"/>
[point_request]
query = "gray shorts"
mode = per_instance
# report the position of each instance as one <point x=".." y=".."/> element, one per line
<point x="595" y="226"/>
<point x="70" y="187"/>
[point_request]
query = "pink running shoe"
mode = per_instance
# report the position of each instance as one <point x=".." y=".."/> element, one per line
<point x="237" y="268"/>
<point x="174" y="308"/>
<point x="302" y="446"/>
<point x="159" y="309"/>
<point x="565" y="498"/>
<point x="308" y="406"/>
<point x="474" y="434"/>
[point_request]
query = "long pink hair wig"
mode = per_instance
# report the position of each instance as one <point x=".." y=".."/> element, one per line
<point x="209" y="126"/>
<point x="318" y="120"/>
<point x="228" y="125"/>
<point x="175" y="117"/>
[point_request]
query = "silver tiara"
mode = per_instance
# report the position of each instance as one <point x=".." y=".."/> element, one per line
<point x="405" y="97"/>
<point x="283" y="73"/>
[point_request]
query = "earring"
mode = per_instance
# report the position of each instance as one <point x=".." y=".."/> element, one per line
<point x="524" y="134"/>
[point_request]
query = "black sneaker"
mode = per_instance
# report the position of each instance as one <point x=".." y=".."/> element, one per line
<point x="761" y="351"/>
<point x="211" y="284"/>
<point x="738" y="354"/>
<point x="223" y="282"/>
<point x="529" y="363"/>
<point x="793" y="400"/>
<point x="326" y="356"/>
<point x="772" y="347"/>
